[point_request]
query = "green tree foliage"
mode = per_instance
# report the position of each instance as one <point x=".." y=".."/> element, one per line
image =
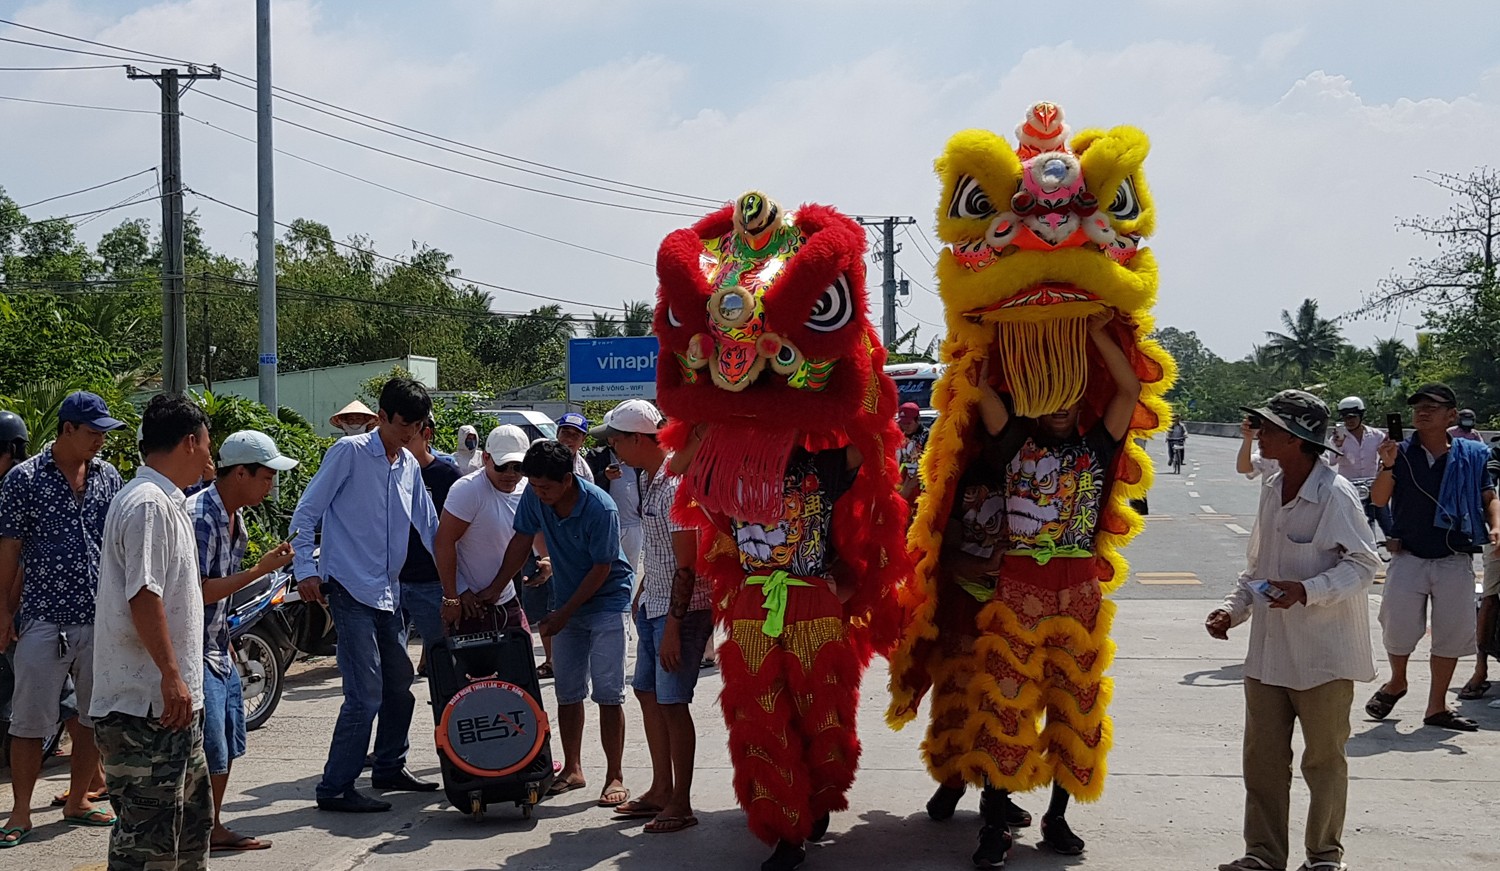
<point x="1309" y="341"/>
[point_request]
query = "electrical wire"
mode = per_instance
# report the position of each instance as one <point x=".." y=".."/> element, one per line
<point x="674" y="199"/>
<point x="410" y="265"/>
<point x="421" y="199"/>
<point x="87" y="189"/>
<point x="248" y="82"/>
<point x="58" y="69"/>
<point x="417" y="160"/>
<point x="120" y="205"/>
<point x="139" y="60"/>
<point x="92" y="42"/>
<point x="906" y="228"/>
<point x="80" y="106"/>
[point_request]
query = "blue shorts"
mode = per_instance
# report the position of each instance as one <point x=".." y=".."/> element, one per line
<point x="591" y="650"/>
<point x="670" y="687"/>
<point x="223" y="719"/>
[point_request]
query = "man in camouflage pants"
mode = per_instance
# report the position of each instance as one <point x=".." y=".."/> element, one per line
<point x="147" y="703"/>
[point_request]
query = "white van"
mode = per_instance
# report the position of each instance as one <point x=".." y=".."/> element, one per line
<point x="533" y="422"/>
<point x="914" y="382"/>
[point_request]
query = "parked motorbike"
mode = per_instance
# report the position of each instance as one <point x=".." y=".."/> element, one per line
<point x="1362" y="488"/>
<point x="258" y="652"/>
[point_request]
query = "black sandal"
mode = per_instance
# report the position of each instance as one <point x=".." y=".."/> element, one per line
<point x="1473" y="691"/>
<point x="1379" y="706"/>
<point x="544" y="671"/>
<point x="1451" y="720"/>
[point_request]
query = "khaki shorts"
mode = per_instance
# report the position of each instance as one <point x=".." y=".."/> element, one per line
<point x="1492" y="572"/>
<point x="1413" y="586"/>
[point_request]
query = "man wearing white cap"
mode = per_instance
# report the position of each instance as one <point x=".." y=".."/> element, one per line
<point x="476" y="527"/>
<point x="248" y="463"/>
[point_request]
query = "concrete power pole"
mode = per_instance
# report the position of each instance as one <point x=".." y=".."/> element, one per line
<point x="265" y="235"/>
<point x="887" y="257"/>
<point x="173" y="282"/>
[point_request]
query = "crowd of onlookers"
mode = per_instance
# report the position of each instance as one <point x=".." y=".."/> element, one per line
<point x="115" y="596"/>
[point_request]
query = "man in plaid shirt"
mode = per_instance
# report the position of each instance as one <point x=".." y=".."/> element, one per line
<point x="248" y="463"/>
<point x="673" y="622"/>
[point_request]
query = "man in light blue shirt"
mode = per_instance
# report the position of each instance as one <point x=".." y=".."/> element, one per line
<point x="368" y="496"/>
<point x="591" y="580"/>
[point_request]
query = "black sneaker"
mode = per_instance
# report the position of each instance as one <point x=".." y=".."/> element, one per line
<point x="994" y="845"/>
<point x="353" y="802"/>
<point x="1057" y="835"/>
<point x="944" y="802"/>
<point x="819" y="829"/>
<point x="788" y="856"/>
<point x="1011" y="813"/>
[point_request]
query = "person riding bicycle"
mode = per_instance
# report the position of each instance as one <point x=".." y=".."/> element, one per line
<point x="1176" y="444"/>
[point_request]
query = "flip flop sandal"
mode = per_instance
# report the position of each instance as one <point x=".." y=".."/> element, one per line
<point x="243" y="845"/>
<point x="5" y="839"/>
<point x="561" y="786"/>
<point x="619" y="790"/>
<point x="634" y="810"/>
<point x="94" y="818"/>
<point x="1379" y="706"/>
<point x="667" y="825"/>
<point x="1472" y="692"/>
<point x="61" y="799"/>
<point x="544" y="670"/>
<point x="1451" y="720"/>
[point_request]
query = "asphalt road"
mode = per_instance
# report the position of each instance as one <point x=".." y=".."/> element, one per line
<point x="1420" y="798"/>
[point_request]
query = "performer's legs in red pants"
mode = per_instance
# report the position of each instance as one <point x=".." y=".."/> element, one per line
<point x="790" y="705"/>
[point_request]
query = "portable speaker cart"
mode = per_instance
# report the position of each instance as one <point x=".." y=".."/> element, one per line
<point x="493" y="738"/>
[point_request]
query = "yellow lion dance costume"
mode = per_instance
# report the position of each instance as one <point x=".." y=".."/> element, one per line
<point x="1031" y="464"/>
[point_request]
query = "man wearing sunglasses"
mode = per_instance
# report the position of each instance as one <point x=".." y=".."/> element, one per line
<point x="477" y="525"/>
<point x="1444" y="511"/>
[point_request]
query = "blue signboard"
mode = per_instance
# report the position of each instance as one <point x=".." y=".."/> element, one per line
<point x="619" y="368"/>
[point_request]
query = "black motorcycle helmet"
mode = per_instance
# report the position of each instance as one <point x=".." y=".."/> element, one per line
<point x="13" y="435"/>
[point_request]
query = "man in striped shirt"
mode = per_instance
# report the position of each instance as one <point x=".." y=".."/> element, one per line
<point x="248" y="463"/>
<point x="673" y="624"/>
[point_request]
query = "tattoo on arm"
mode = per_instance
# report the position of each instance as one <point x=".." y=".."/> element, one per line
<point x="683" y="581"/>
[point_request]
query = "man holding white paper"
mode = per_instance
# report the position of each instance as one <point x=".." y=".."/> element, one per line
<point x="1311" y="561"/>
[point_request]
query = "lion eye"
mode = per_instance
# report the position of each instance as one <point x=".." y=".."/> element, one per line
<point x="969" y="200"/>
<point x="834" y="308"/>
<point x="1125" y="206"/>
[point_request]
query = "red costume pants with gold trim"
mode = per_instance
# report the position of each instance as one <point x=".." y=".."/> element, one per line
<point x="1019" y="692"/>
<point x="790" y="705"/>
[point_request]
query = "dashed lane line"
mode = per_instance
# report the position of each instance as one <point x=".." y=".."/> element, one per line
<point x="1193" y="494"/>
<point x="1206" y="509"/>
<point x="1236" y="529"/>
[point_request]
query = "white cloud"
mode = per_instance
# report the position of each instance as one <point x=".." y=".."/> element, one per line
<point x="1275" y="48"/>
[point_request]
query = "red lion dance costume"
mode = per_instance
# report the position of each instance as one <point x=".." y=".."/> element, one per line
<point x="784" y="428"/>
<point x="1030" y="467"/>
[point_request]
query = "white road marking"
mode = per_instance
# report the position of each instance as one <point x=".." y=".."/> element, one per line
<point x="1236" y="529"/>
<point x="1193" y="493"/>
<point x="1206" y="509"/>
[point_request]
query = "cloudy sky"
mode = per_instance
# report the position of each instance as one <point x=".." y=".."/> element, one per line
<point x="1288" y="135"/>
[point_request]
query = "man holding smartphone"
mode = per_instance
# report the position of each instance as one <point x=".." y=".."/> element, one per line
<point x="1311" y="560"/>
<point x="1444" y="511"/>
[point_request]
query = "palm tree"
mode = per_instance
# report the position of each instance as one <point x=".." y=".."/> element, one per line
<point x="1308" y="341"/>
<point x="1390" y="356"/>
<point x="603" y="327"/>
<point x="638" y="318"/>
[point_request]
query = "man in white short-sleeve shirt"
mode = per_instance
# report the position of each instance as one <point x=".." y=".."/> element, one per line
<point x="148" y="651"/>
<point x="477" y="525"/>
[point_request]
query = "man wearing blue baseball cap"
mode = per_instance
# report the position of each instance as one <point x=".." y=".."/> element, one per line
<point x="572" y="430"/>
<point x="52" y="510"/>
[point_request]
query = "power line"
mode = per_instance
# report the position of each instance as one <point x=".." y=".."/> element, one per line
<point x="674" y="199"/>
<point x="912" y="236"/>
<point x="286" y="94"/>
<point x="160" y="57"/>
<point x="57" y="69"/>
<point x="80" y="106"/>
<point x="140" y="60"/>
<point x="455" y="171"/>
<point x="410" y="265"/>
<point x="128" y="201"/>
<point x="87" y="189"/>
<point x="120" y="205"/>
<point x="422" y="199"/>
<point x="709" y="201"/>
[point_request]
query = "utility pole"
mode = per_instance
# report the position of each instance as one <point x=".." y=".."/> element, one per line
<point x="265" y="233"/>
<point x="173" y="290"/>
<point x="887" y="257"/>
